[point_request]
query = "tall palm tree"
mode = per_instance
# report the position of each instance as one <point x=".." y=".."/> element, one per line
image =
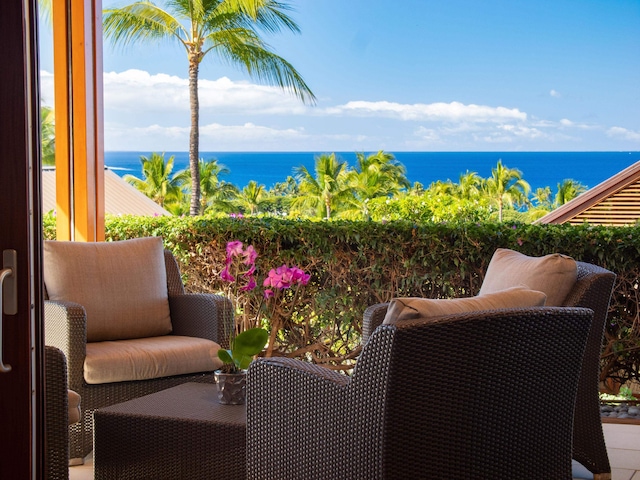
<point x="568" y="189"/>
<point x="214" y="191"/>
<point x="158" y="184"/>
<point x="506" y="186"/>
<point x="229" y="28"/>
<point x="325" y="191"/>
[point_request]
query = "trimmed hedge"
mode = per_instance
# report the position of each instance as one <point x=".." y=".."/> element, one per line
<point x="356" y="264"/>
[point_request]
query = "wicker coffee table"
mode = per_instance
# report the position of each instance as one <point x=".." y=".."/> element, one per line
<point x="179" y="433"/>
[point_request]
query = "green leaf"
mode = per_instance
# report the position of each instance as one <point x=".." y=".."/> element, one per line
<point x="225" y="356"/>
<point x="250" y="342"/>
<point x="243" y="361"/>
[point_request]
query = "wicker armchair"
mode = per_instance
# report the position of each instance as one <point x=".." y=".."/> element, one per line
<point x="477" y="395"/>
<point x="194" y="315"/>
<point x="592" y="290"/>
<point x="56" y="416"/>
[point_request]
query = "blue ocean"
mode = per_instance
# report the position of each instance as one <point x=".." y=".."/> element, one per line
<point x="539" y="169"/>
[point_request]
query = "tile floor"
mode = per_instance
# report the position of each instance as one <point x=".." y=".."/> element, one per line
<point x="623" y="445"/>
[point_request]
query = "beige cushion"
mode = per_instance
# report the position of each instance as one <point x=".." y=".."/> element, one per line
<point x="145" y="358"/>
<point x="121" y="285"/>
<point x="74" y="407"/>
<point x="553" y="274"/>
<point x="411" y="308"/>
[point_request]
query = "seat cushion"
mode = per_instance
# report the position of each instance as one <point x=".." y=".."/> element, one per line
<point x="553" y="274"/>
<point x="74" y="407"/>
<point x="413" y="308"/>
<point x="121" y="285"/>
<point x="146" y="358"/>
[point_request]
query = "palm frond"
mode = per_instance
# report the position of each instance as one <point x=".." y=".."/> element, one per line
<point x="141" y="21"/>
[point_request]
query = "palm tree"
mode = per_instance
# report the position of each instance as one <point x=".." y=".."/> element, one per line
<point x="542" y="198"/>
<point x="443" y="187"/>
<point x="252" y="197"/>
<point x="469" y="185"/>
<point x="568" y="189"/>
<point x="375" y="175"/>
<point x="47" y="135"/>
<point x="229" y="28"/>
<point x="387" y="167"/>
<point x="158" y="184"/>
<point x="325" y="191"/>
<point x="214" y="192"/>
<point x="506" y="186"/>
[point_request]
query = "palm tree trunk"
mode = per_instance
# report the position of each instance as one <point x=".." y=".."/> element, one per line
<point x="194" y="136"/>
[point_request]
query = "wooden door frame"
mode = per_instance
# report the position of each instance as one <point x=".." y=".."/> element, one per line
<point x="22" y="437"/>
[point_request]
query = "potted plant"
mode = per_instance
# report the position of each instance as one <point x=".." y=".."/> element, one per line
<point x="280" y="285"/>
<point x="239" y="272"/>
<point x="231" y="378"/>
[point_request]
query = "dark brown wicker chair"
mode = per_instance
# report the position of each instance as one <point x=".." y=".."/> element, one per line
<point x="56" y="416"/>
<point x="483" y="395"/>
<point x="192" y="314"/>
<point x="592" y="290"/>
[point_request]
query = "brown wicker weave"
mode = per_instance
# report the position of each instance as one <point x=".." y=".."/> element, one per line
<point x="196" y="315"/>
<point x="56" y="401"/>
<point x="592" y="290"/>
<point x="483" y="395"/>
<point x="179" y="433"/>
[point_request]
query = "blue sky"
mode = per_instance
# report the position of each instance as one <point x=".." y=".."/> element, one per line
<point x="410" y="75"/>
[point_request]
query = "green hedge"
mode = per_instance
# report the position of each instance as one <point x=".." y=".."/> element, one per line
<point x="356" y="264"/>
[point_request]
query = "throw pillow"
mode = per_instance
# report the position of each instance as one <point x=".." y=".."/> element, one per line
<point x="121" y="285"/>
<point x="411" y="308"/>
<point x="553" y="274"/>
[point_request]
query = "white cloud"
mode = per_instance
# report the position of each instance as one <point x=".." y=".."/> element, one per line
<point x="46" y="88"/>
<point x="555" y="93"/>
<point x="151" y="113"/>
<point x="522" y="131"/>
<point x="212" y="137"/>
<point x="452" y="112"/>
<point x="626" y="134"/>
<point x="137" y="90"/>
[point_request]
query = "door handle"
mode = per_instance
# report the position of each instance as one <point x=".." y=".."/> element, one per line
<point x="8" y="295"/>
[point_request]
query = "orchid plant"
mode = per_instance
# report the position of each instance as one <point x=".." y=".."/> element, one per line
<point x="280" y="295"/>
<point x="239" y="271"/>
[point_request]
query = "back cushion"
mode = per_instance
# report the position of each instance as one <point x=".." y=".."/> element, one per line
<point x="412" y="308"/>
<point x="121" y="285"/>
<point x="553" y="274"/>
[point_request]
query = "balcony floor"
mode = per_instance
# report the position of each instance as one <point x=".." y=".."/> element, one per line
<point x="623" y="445"/>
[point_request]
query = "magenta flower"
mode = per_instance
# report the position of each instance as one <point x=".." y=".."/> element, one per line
<point x="246" y="258"/>
<point x="250" y="255"/>
<point x="285" y="277"/>
<point x="234" y="249"/>
<point x="249" y="286"/>
<point x="226" y="275"/>
<point x="268" y="293"/>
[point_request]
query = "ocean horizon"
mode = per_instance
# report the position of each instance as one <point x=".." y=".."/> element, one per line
<point x="539" y="169"/>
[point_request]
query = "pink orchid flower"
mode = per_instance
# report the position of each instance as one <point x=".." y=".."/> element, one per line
<point x="234" y="249"/>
